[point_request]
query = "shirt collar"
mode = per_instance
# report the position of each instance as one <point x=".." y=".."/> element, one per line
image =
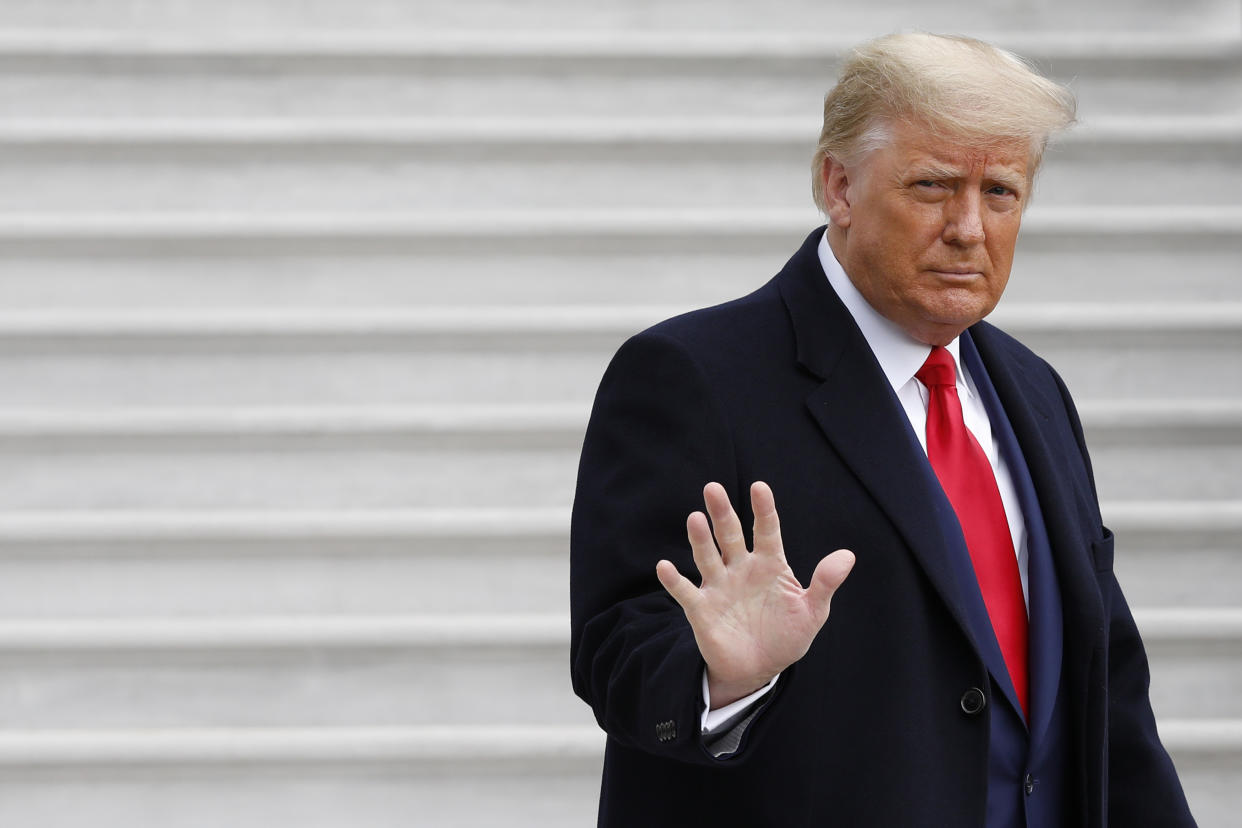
<point x="900" y="356"/>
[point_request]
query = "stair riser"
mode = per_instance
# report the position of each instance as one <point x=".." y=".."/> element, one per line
<point x="539" y="87"/>
<point x="150" y="577"/>
<point x="1195" y="678"/>
<point x="386" y="16"/>
<point x="240" y="578"/>
<point x="388" y="474"/>
<point x="376" y="370"/>
<point x="1211" y="786"/>
<point x="1160" y="570"/>
<point x="290" y="687"/>
<point x="385" y="797"/>
<point x="110" y="179"/>
<point x="378" y="375"/>
<point x="103" y="179"/>
<point x="1134" y="366"/>
<point x="407" y="686"/>
<point x="1177" y="472"/>
<point x="690" y="271"/>
<point x="338" y="795"/>
<point x="1140" y="88"/>
<point x="342" y="478"/>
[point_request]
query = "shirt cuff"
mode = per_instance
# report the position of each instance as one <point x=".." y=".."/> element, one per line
<point x="724" y="718"/>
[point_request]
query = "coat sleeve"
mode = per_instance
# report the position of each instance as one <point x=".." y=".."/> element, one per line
<point x="656" y="436"/>
<point x="1142" y="786"/>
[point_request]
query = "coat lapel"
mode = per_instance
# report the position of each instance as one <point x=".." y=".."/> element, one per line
<point x="1036" y="414"/>
<point x="859" y="415"/>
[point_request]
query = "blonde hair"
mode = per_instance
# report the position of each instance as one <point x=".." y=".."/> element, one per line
<point x="956" y="88"/>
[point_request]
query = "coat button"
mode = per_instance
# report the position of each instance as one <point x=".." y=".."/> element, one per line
<point x="973" y="701"/>
<point x="1028" y="784"/>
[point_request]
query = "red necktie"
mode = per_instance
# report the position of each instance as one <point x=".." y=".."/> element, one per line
<point x="968" y="480"/>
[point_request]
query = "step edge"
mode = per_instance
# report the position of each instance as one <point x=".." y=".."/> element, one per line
<point x="552" y="223"/>
<point x="474" y="744"/>
<point x="457" y="524"/>
<point x="550" y="132"/>
<point x="1179" y="625"/>
<point x="586" y="44"/>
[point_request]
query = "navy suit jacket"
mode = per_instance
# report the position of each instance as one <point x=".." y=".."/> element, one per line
<point x="873" y="727"/>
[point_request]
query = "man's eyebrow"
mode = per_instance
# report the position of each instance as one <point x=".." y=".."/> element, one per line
<point x="1009" y="178"/>
<point x="935" y="171"/>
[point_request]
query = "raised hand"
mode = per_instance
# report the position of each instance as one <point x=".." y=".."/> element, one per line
<point x="751" y="618"/>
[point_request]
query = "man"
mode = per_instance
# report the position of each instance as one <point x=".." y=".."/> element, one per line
<point x="980" y="667"/>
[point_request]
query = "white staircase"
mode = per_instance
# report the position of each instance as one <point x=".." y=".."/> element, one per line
<point x="303" y="304"/>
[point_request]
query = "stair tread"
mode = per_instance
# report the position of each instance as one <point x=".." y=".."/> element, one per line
<point x="638" y="44"/>
<point x="652" y="221"/>
<point x="433" y="743"/>
<point x="451" y="630"/>
<point x="510" y="131"/>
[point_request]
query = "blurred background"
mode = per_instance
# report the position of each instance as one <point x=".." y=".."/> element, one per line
<point x="303" y="304"/>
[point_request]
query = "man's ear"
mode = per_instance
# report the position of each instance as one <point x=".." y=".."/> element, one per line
<point x="836" y="186"/>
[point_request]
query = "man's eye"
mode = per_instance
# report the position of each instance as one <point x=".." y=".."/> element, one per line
<point x="1001" y="190"/>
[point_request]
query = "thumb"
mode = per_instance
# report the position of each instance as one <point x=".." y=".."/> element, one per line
<point x="829" y="575"/>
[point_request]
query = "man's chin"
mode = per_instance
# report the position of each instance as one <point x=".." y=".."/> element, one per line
<point x="943" y="328"/>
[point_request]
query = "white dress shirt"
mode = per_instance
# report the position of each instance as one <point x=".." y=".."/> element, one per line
<point x="900" y="357"/>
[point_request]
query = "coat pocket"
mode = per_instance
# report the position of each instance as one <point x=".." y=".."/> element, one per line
<point x="1102" y="552"/>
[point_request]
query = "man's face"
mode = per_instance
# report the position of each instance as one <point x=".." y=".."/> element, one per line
<point x="926" y="229"/>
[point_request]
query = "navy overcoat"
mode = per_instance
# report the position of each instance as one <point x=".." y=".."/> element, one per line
<point x="874" y="726"/>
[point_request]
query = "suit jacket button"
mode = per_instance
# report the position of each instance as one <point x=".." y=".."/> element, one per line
<point x="1028" y="784"/>
<point x="666" y="731"/>
<point x="973" y="701"/>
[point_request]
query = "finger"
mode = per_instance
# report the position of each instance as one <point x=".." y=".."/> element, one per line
<point x="725" y="525"/>
<point x="767" y="524"/>
<point x="706" y="556"/>
<point x="683" y="591"/>
<point x="829" y="575"/>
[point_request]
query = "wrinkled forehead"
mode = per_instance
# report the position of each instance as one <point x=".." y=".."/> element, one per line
<point x="951" y="149"/>
<point x="956" y="162"/>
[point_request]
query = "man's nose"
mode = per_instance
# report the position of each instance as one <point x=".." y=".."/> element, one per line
<point x="964" y="218"/>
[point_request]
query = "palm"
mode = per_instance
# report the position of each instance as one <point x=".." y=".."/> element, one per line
<point x="751" y="617"/>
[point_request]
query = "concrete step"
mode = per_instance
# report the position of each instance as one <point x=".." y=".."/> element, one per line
<point x="355" y="459"/>
<point x="1208" y="762"/>
<point x="521" y="72"/>
<point x="420" y="670"/>
<point x="491" y="670"/>
<point x="1148" y="445"/>
<point x="1178" y="554"/>
<point x="113" y="166"/>
<point x="58" y="564"/>
<point x="340" y="778"/>
<point x="464" y="777"/>
<point x="684" y="258"/>
<point x="106" y="563"/>
<point x="514" y="355"/>
<point x="457" y="457"/>
<point x="1196" y="661"/>
<point x="681" y="16"/>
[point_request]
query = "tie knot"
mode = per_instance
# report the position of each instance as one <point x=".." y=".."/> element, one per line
<point x="938" y="369"/>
